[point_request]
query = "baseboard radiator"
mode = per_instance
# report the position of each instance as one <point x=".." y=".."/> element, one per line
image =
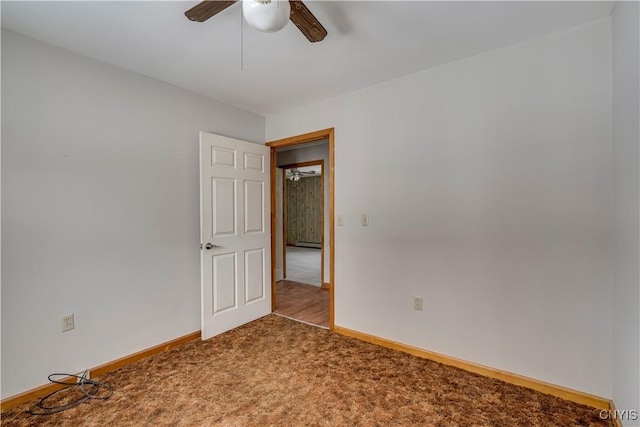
<point x="309" y="245"/>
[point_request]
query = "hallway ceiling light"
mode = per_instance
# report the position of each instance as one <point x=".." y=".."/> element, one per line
<point x="294" y="175"/>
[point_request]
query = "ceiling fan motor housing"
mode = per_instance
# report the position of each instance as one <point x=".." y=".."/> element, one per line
<point x="266" y="15"/>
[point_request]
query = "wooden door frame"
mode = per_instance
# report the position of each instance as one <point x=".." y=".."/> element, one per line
<point x="284" y="215"/>
<point x="298" y="140"/>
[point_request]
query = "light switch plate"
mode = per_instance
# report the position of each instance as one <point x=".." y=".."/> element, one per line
<point x="365" y="220"/>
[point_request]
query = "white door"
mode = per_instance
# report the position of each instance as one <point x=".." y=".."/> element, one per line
<point x="235" y="231"/>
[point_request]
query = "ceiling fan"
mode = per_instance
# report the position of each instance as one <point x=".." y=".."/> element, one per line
<point x="295" y="174"/>
<point x="265" y="15"/>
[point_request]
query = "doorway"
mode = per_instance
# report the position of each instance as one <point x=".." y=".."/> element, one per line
<point x="308" y="241"/>
<point x="303" y="215"/>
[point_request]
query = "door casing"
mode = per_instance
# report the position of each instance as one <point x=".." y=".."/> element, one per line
<point x="299" y="140"/>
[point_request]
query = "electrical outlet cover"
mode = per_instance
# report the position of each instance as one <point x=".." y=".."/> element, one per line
<point x="67" y="322"/>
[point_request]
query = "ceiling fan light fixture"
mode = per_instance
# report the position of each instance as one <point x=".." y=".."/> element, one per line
<point x="294" y="175"/>
<point x="266" y="15"/>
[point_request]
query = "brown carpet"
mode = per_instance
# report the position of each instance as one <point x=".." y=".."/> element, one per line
<point x="278" y="372"/>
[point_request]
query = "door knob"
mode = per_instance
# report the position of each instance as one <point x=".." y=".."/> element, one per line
<point x="211" y="246"/>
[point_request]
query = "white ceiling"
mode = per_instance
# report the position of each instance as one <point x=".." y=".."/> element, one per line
<point x="368" y="42"/>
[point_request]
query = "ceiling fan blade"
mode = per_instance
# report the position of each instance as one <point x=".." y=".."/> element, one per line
<point x="206" y="9"/>
<point x="306" y="22"/>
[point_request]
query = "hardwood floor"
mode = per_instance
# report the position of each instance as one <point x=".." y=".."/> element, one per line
<point x="303" y="302"/>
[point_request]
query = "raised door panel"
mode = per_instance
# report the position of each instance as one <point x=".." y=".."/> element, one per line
<point x="255" y="277"/>
<point x="224" y="202"/>
<point x="254" y="207"/>
<point x="225" y="282"/>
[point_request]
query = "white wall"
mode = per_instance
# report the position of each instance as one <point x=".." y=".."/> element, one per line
<point x="488" y="185"/>
<point x="626" y="207"/>
<point x="99" y="209"/>
<point x="308" y="153"/>
<point x="279" y="255"/>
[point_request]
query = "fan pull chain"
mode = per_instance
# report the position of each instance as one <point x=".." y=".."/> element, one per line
<point x="241" y="43"/>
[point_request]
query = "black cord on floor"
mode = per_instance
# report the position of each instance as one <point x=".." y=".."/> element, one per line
<point x="88" y="388"/>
